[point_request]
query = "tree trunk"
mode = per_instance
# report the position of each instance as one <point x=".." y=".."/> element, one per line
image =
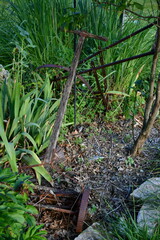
<point x="145" y="132"/>
<point x="152" y="108"/>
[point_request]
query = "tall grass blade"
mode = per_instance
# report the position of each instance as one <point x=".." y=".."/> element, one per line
<point x="10" y="150"/>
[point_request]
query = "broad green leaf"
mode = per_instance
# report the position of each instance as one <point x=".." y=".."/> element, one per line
<point x="18" y="217"/>
<point x="1" y="110"/>
<point x="38" y="176"/>
<point x="16" y="100"/>
<point x="35" y="157"/>
<point x="32" y="124"/>
<point x="10" y="150"/>
<point x="25" y="107"/>
<point x="31" y="209"/>
<point x="42" y="100"/>
<point x="54" y="105"/>
<point x="30" y="139"/>
<point x="44" y="146"/>
<point x="34" y="161"/>
<point x="16" y="139"/>
<point x="14" y="126"/>
<point x="138" y="6"/>
<point x="30" y="219"/>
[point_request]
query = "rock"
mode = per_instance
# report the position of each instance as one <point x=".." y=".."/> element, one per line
<point x="91" y="233"/>
<point x="120" y="169"/>
<point x="149" y="190"/>
<point x="149" y="216"/>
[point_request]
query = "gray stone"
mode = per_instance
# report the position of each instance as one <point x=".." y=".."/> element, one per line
<point x="91" y="233"/>
<point x="149" y="216"/>
<point x="149" y="190"/>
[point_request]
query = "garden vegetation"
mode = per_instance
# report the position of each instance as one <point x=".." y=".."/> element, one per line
<point x="37" y="32"/>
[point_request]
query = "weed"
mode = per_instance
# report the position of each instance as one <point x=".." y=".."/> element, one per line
<point x="99" y="159"/>
<point x="93" y="209"/>
<point x="78" y="140"/>
<point x="127" y="138"/>
<point x="68" y="169"/>
<point x="129" y="161"/>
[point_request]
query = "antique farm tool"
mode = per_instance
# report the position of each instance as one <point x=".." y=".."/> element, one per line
<point x="69" y="202"/>
<point x="51" y="151"/>
<point x="82" y="210"/>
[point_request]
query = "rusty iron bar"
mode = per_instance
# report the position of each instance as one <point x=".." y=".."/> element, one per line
<point x="101" y="58"/>
<point x="119" y="41"/>
<point x="99" y="87"/>
<point x="53" y="66"/>
<point x="67" y="69"/>
<point x="88" y="35"/>
<point x="59" y="193"/>
<point x="81" y="202"/>
<point x="82" y="210"/>
<point x="63" y="210"/>
<point x="100" y="51"/>
<point x="117" y="62"/>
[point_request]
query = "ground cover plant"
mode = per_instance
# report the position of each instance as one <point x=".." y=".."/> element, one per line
<point x="26" y="119"/>
<point x="126" y="228"/>
<point x="16" y="217"/>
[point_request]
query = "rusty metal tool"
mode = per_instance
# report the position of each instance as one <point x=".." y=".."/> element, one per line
<point x="69" y="202"/>
<point x="50" y="154"/>
<point x="82" y="210"/>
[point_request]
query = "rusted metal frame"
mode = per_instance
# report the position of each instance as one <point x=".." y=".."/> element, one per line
<point x="100" y="51"/>
<point x="55" y="208"/>
<point x="99" y="86"/>
<point x="114" y="63"/>
<point x="119" y="41"/>
<point x="101" y="58"/>
<point x="82" y="210"/>
<point x="80" y="198"/>
<point x="88" y="35"/>
<point x="51" y="150"/>
<point x="75" y="79"/>
<point x="67" y="69"/>
<point x="54" y="66"/>
<point x="58" y="193"/>
<point x="118" y="62"/>
<point x="103" y="69"/>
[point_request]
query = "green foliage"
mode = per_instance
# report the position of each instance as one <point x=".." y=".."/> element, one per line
<point x="129" y="161"/>
<point x="41" y="22"/>
<point x="39" y="30"/>
<point x="26" y="121"/>
<point x="127" y="228"/>
<point x="16" y="217"/>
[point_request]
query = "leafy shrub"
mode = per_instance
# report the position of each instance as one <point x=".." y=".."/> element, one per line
<point x="16" y="217"/>
<point x="26" y="121"/>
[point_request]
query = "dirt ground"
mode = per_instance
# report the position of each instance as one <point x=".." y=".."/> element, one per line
<point x="96" y="156"/>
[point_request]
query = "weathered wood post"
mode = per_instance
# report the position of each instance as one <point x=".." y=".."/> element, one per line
<point x="51" y="151"/>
